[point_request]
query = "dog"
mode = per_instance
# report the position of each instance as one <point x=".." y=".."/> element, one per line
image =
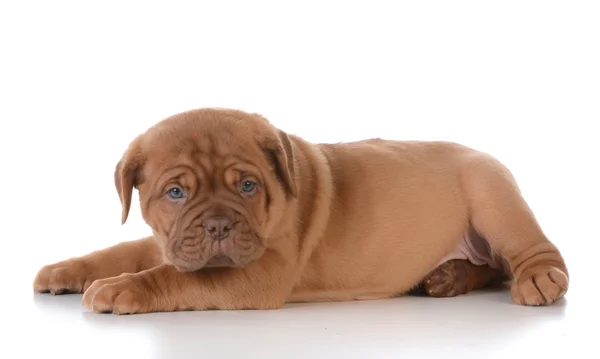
<point x="246" y="216"/>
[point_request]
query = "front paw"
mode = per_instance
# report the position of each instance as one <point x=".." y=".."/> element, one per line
<point x="70" y="276"/>
<point x="124" y="294"/>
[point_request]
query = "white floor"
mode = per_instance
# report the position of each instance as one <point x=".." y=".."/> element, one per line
<point x="478" y="325"/>
<point x="483" y="325"/>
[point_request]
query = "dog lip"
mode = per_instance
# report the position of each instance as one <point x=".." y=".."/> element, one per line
<point x="187" y="267"/>
<point x="220" y="260"/>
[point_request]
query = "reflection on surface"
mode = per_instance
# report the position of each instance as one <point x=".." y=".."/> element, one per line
<point x="484" y="323"/>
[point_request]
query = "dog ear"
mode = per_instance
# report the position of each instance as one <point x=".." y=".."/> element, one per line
<point x="127" y="173"/>
<point x="280" y="151"/>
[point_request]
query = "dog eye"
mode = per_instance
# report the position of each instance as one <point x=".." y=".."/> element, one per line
<point x="248" y="186"/>
<point x="175" y="193"/>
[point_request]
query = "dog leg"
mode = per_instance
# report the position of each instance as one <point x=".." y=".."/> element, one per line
<point x="263" y="285"/>
<point x="459" y="276"/>
<point x="75" y="275"/>
<point x="500" y="214"/>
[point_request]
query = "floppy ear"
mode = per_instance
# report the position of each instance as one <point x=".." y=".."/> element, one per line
<point x="280" y="151"/>
<point x="127" y="177"/>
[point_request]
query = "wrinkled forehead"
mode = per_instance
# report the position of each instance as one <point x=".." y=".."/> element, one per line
<point x="209" y="151"/>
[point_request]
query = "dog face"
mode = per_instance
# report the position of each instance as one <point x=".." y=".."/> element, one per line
<point x="212" y="186"/>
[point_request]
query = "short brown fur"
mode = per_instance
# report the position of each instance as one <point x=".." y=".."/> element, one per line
<point x="325" y="222"/>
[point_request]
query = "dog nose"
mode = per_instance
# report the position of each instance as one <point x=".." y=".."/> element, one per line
<point x="218" y="227"/>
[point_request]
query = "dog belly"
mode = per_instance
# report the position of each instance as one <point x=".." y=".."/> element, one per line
<point x="475" y="249"/>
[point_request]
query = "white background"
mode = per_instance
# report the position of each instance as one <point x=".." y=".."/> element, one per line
<point x="78" y="80"/>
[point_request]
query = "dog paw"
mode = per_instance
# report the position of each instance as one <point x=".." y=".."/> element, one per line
<point x="447" y="280"/>
<point x="70" y="276"/>
<point x="540" y="285"/>
<point x="123" y="294"/>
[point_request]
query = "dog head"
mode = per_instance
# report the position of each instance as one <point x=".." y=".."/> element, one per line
<point x="213" y="185"/>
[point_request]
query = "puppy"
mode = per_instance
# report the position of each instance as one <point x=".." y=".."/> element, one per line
<point x="245" y="216"/>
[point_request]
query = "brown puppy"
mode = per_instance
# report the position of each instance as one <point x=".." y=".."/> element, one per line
<point x="245" y="216"/>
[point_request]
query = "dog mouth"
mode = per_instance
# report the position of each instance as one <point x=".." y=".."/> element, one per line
<point x="186" y="265"/>
<point x="220" y="260"/>
<point x="192" y="253"/>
